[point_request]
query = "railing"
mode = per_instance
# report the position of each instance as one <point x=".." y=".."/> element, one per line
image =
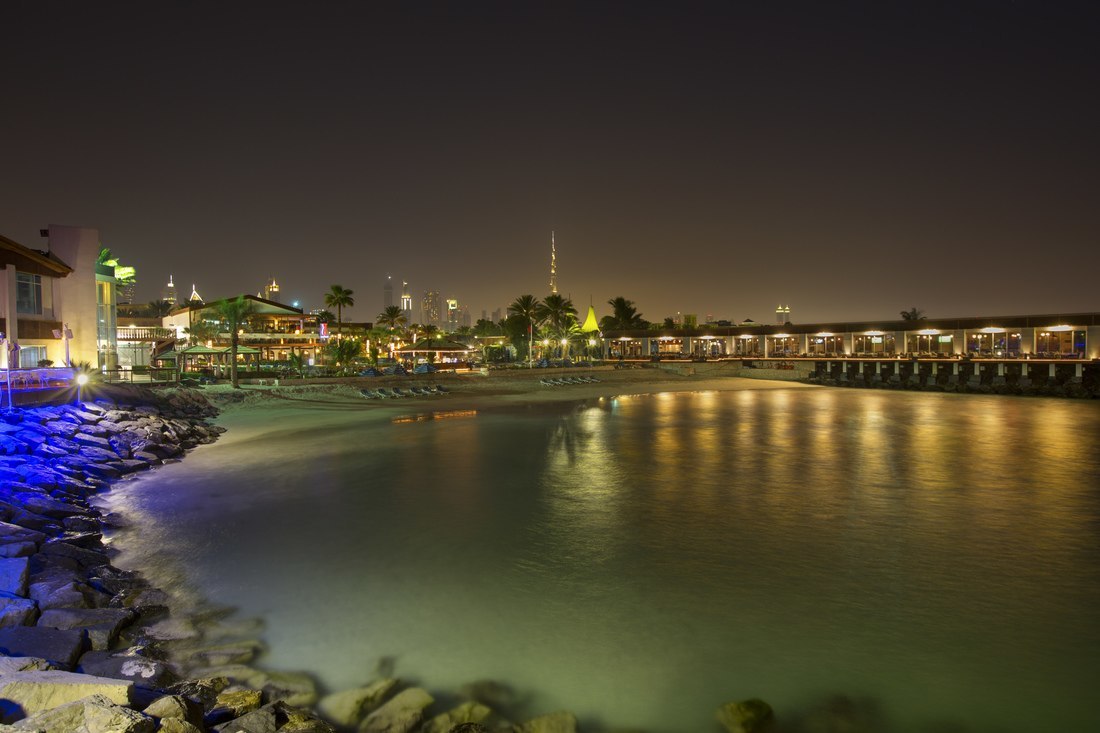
<point x="144" y="333"/>
<point x="166" y="375"/>
<point x="36" y="378"/>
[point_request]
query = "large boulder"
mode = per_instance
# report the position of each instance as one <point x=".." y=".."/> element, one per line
<point x="140" y="670"/>
<point x="467" y="712"/>
<point x="560" y="722"/>
<point x="22" y="664"/>
<point x="14" y="572"/>
<point x="102" y="624"/>
<point x="26" y="693"/>
<point x="17" y="611"/>
<point x="60" y="647"/>
<point x="401" y="714"/>
<point x="347" y="707"/>
<point x="296" y="689"/>
<point x="96" y="713"/>
<point x="747" y="716"/>
<point x="175" y="707"/>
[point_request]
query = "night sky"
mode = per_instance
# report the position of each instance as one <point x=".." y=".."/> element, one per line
<point x="848" y="159"/>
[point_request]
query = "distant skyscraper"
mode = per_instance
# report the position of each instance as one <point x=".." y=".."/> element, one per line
<point x="195" y="298"/>
<point x="387" y="293"/>
<point x="782" y="315"/>
<point x="170" y="292"/>
<point x="406" y="301"/>
<point x="452" y="314"/>
<point x="498" y="314"/>
<point x="464" y="318"/>
<point x="553" y="266"/>
<point x="271" y="291"/>
<point x="431" y="309"/>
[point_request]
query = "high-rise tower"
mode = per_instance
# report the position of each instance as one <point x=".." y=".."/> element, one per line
<point x="406" y="301"/>
<point x="387" y="293"/>
<point x="170" y="292"/>
<point x="553" y="266"/>
<point x="271" y="291"/>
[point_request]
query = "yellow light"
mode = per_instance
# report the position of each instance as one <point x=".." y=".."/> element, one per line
<point x="546" y="342"/>
<point x="1061" y="328"/>
<point x="823" y="333"/>
<point x="928" y="332"/>
<point x="565" y="342"/>
<point x="591" y="342"/>
<point x="874" y="333"/>
<point x="992" y="329"/>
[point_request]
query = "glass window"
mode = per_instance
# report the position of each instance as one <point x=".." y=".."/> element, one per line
<point x="29" y="356"/>
<point x="28" y="294"/>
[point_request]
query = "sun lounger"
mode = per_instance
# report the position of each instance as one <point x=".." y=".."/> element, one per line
<point x="368" y="393"/>
<point x="440" y="389"/>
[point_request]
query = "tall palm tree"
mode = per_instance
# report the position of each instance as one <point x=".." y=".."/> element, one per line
<point x="526" y="307"/>
<point x="235" y="311"/>
<point x="624" y="314"/>
<point x="343" y="352"/>
<point x="199" y="331"/>
<point x="159" y="308"/>
<point x="557" y="310"/>
<point x="392" y="317"/>
<point x="339" y="297"/>
<point x="913" y="314"/>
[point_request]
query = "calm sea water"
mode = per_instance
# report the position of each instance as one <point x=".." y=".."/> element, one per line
<point x="642" y="560"/>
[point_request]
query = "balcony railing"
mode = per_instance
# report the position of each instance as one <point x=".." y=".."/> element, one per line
<point x="144" y="333"/>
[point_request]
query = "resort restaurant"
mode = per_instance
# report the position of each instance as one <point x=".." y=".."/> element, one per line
<point x="1052" y="336"/>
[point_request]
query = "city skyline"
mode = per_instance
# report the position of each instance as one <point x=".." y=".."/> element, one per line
<point x="851" y="161"/>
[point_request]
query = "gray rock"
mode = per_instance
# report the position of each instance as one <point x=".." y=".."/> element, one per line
<point x="348" y="707"/>
<point x="175" y="707"/>
<point x="232" y="704"/>
<point x="101" y="624"/>
<point x="560" y="722"/>
<point x="401" y="714"/>
<point x="14" y="572"/>
<point x="236" y="652"/>
<point x="296" y="689"/>
<point x="467" y="712"/>
<point x="26" y="693"/>
<point x="61" y="647"/>
<point x="140" y="670"/>
<point x="175" y="725"/>
<point x="84" y="440"/>
<point x="17" y="611"/>
<point x="747" y="716"/>
<point x="22" y="664"/>
<point x="95" y="714"/>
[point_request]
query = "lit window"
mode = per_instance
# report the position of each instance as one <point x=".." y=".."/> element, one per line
<point x="28" y="294"/>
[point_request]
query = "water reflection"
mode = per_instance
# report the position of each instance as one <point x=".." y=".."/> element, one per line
<point x="645" y="559"/>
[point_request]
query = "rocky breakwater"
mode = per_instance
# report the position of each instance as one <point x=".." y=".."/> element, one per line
<point x="75" y="652"/>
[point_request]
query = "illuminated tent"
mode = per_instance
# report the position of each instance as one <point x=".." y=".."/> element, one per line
<point x="590" y="324"/>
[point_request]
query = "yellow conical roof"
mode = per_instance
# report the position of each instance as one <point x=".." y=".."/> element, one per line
<point x="590" y="323"/>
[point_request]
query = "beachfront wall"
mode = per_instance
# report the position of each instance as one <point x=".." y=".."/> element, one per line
<point x="1061" y="336"/>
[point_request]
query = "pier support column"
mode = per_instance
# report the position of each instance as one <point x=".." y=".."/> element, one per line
<point x="1001" y="369"/>
<point x="1079" y="371"/>
<point x="849" y="343"/>
<point x="861" y="368"/>
<point x="1053" y="372"/>
<point x="955" y="369"/>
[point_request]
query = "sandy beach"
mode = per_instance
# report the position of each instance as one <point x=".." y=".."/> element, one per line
<point x="468" y="391"/>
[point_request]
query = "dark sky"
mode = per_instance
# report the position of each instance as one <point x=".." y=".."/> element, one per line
<point x="850" y="159"/>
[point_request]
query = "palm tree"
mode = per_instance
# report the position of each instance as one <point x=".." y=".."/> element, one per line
<point x="343" y="352"/>
<point x="913" y="314"/>
<point x="200" y="331"/>
<point x="392" y="317"/>
<point x="526" y="308"/>
<point x="159" y="308"/>
<point x="339" y="297"/>
<point x="557" y="310"/>
<point x="624" y="316"/>
<point x="234" y="311"/>
<point x="297" y="362"/>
